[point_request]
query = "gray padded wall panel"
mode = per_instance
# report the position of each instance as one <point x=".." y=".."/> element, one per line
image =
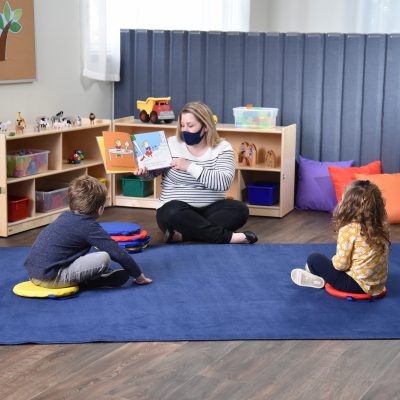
<point x="372" y="112"/>
<point x="354" y="56"/>
<point x="342" y="90"/>
<point x="391" y="106"/>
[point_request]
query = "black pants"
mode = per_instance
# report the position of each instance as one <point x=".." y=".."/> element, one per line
<point x="322" y="266"/>
<point x="212" y="224"/>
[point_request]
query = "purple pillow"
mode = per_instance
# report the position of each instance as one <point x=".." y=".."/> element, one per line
<point x="315" y="189"/>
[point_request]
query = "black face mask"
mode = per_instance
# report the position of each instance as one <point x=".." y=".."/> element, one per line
<point x="192" y="138"/>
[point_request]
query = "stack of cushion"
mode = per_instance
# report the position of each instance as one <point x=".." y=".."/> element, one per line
<point x="321" y="184"/>
<point x="128" y="235"/>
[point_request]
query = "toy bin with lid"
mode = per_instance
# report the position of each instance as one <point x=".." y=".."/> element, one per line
<point x="135" y="187"/>
<point x="53" y="197"/>
<point x="27" y="162"/>
<point x="17" y="207"/>
<point x="263" y="193"/>
<point x="255" y="117"/>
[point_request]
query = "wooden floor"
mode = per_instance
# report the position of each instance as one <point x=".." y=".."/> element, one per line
<point x="278" y="369"/>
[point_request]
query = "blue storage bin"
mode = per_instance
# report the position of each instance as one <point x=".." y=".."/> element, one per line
<point x="263" y="193"/>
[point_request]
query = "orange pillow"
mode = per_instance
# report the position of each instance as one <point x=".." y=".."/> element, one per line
<point x="341" y="177"/>
<point x="389" y="184"/>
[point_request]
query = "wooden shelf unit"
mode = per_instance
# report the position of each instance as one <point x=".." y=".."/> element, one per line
<point x="282" y="140"/>
<point x="61" y="143"/>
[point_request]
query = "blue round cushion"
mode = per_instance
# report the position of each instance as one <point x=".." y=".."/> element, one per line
<point x="120" y="228"/>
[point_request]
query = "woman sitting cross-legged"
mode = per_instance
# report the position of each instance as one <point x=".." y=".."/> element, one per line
<point x="193" y="204"/>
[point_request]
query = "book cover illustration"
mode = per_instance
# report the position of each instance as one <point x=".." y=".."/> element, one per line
<point x="124" y="152"/>
<point x="151" y="150"/>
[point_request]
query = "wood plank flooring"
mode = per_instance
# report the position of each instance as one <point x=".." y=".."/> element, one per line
<point x="232" y="370"/>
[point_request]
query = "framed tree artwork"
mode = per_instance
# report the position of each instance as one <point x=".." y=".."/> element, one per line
<point x="17" y="41"/>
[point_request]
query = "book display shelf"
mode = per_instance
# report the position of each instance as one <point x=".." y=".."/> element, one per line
<point x="278" y="173"/>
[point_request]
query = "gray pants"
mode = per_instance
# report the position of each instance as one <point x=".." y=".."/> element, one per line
<point x="85" y="268"/>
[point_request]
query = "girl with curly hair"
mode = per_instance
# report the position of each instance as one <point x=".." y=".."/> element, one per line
<point x="360" y="264"/>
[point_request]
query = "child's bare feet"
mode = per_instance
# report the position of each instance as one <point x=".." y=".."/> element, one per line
<point x="143" y="280"/>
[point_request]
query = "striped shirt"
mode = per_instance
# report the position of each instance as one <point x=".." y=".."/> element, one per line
<point x="206" y="180"/>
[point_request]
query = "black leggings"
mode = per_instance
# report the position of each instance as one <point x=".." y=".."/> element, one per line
<point x="322" y="266"/>
<point x="212" y="224"/>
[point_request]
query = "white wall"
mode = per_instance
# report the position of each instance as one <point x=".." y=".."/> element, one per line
<point x="324" y="16"/>
<point x="59" y="84"/>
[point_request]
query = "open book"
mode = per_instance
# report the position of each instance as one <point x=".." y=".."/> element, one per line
<point x="124" y="152"/>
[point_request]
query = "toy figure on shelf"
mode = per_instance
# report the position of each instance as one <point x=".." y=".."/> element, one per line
<point x="4" y="126"/>
<point x="60" y="124"/>
<point x="76" y="157"/>
<point x="78" y="121"/>
<point x="58" y="117"/>
<point x="42" y="122"/>
<point x="252" y="155"/>
<point x="243" y="153"/>
<point x="20" y="124"/>
<point x="270" y="159"/>
<point x="247" y="154"/>
<point x="92" y="117"/>
<point x="36" y="127"/>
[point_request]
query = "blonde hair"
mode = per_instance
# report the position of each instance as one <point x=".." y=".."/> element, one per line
<point x="363" y="203"/>
<point x="86" y="195"/>
<point x="204" y="115"/>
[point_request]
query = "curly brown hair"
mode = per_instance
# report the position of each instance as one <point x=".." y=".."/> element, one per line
<point x="363" y="203"/>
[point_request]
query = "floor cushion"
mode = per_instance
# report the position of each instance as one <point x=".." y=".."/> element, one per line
<point x="389" y="184"/>
<point x="28" y="289"/>
<point x="341" y="177"/>
<point x="315" y="190"/>
<point x="352" y="296"/>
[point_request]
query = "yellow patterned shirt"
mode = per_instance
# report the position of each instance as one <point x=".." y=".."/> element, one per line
<point x="354" y="256"/>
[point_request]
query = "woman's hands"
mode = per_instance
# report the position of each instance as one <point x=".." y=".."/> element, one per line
<point x="180" y="164"/>
<point x="141" y="171"/>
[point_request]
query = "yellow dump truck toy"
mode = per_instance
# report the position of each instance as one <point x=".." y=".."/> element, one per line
<point x="155" y="109"/>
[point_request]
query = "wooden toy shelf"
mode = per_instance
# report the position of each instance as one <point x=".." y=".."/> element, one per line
<point x="60" y="143"/>
<point x="282" y="140"/>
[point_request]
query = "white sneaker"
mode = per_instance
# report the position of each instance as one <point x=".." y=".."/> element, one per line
<point x="302" y="277"/>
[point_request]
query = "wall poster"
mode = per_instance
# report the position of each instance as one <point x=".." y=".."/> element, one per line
<point x="17" y="41"/>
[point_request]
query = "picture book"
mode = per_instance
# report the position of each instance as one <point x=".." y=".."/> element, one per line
<point x="124" y="152"/>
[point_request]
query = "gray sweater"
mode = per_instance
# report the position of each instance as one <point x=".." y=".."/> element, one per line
<point x="69" y="237"/>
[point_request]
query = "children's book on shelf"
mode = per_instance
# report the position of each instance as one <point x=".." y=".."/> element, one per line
<point x="125" y="152"/>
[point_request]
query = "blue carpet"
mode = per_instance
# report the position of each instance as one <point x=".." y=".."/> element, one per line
<point x="200" y="292"/>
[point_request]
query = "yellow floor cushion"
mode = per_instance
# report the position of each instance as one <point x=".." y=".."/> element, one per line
<point x="28" y="289"/>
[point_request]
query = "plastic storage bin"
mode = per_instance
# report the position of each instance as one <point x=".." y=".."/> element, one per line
<point x="263" y="193"/>
<point x="256" y="117"/>
<point x="135" y="187"/>
<point x="18" y="208"/>
<point x="27" y="162"/>
<point x="51" y="199"/>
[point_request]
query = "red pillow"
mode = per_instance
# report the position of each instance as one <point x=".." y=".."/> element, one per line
<point x="341" y="177"/>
